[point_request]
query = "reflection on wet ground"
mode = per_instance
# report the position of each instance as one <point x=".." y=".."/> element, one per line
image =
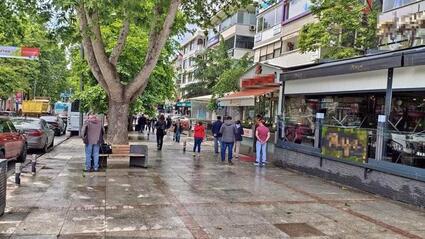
<point x="182" y="197"/>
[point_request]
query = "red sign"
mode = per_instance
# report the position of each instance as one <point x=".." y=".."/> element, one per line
<point x="30" y="52"/>
<point x="259" y="81"/>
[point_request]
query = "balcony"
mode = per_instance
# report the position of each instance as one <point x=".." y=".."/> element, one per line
<point x="295" y="58"/>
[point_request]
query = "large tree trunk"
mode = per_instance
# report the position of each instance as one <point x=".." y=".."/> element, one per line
<point x="118" y="122"/>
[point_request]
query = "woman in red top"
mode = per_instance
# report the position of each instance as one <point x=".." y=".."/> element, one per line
<point x="199" y="137"/>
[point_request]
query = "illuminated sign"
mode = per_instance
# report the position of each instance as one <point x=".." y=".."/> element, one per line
<point x="345" y="143"/>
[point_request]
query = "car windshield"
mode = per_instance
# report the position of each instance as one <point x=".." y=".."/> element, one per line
<point x="25" y="124"/>
<point x="3" y="126"/>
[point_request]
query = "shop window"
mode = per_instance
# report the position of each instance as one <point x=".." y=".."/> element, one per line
<point x="300" y="119"/>
<point x="405" y="142"/>
<point x="244" y="42"/>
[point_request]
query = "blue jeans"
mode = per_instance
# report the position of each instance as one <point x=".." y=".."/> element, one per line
<point x="261" y="152"/>
<point x="92" y="151"/>
<point x="229" y="147"/>
<point x="197" y="144"/>
<point x="217" y="142"/>
<point x="177" y="135"/>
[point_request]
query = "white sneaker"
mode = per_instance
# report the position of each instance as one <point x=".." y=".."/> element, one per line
<point x="256" y="164"/>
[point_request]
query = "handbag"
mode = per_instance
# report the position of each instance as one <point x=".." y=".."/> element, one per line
<point x="105" y="149"/>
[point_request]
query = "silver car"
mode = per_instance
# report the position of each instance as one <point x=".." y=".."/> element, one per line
<point x="39" y="134"/>
<point x="55" y="123"/>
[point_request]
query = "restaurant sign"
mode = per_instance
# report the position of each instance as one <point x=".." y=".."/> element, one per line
<point x="265" y="80"/>
<point x="345" y="143"/>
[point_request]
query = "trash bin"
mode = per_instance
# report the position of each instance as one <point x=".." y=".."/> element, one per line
<point x="3" y="185"/>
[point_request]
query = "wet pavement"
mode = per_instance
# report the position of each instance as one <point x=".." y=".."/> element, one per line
<point x="182" y="197"/>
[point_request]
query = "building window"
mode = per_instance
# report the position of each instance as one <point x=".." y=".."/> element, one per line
<point x="286" y="11"/>
<point x="391" y="4"/>
<point x="244" y="42"/>
<point x="230" y="43"/>
<point x="270" y="19"/>
<point x="270" y="51"/>
<point x="297" y="8"/>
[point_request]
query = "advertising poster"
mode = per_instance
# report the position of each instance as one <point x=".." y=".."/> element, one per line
<point x="345" y="143"/>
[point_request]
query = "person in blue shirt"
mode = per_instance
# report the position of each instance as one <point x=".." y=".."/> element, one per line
<point x="216" y="133"/>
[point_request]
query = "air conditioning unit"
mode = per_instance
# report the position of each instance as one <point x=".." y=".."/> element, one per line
<point x="252" y="28"/>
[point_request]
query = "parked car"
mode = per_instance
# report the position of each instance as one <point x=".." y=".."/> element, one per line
<point x="8" y="113"/>
<point x="38" y="133"/>
<point x="56" y="124"/>
<point x="13" y="143"/>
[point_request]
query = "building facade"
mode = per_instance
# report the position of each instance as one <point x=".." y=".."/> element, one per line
<point x="402" y="24"/>
<point x="277" y="30"/>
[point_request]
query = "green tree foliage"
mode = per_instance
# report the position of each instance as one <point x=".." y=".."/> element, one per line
<point x="23" y="24"/>
<point x="160" y="86"/>
<point x="217" y="72"/>
<point x="345" y="28"/>
<point x="157" y="18"/>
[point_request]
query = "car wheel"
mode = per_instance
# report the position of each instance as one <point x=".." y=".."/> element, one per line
<point x="23" y="156"/>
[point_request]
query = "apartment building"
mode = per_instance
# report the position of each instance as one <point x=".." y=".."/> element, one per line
<point x="401" y="24"/>
<point x="277" y="29"/>
<point x="237" y="31"/>
<point x="189" y="51"/>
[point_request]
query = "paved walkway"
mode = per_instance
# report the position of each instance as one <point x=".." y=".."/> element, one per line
<point x="179" y="197"/>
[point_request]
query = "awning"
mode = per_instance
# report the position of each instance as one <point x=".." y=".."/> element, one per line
<point x="349" y="66"/>
<point x="247" y="93"/>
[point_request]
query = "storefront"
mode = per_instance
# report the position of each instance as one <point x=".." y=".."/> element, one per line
<point x="359" y="121"/>
<point x="259" y="94"/>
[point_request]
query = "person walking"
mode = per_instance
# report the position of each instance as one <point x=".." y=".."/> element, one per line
<point x="262" y="134"/>
<point x="199" y="136"/>
<point x="227" y="131"/>
<point x="216" y="133"/>
<point x="142" y="123"/>
<point x="153" y="123"/>
<point x="160" y="131"/>
<point x="177" y="130"/>
<point x="92" y="134"/>
<point x="238" y="138"/>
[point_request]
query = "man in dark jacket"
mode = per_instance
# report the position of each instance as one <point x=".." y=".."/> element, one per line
<point x="228" y="132"/>
<point x="238" y="138"/>
<point x="216" y="133"/>
<point x="142" y="123"/>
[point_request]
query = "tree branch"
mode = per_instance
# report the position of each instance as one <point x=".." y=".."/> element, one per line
<point x="119" y="47"/>
<point x="88" y="48"/>
<point x="110" y="75"/>
<point x="157" y="40"/>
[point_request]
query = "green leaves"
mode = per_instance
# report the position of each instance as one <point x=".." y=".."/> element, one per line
<point x="340" y="30"/>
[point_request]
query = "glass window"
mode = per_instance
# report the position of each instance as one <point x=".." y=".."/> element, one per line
<point x="244" y="42"/>
<point x="297" y="7"/>
<point x="228" y="22"/>
<point x="4" y="127"/>
<point x="391" y="4"/>
<point x="279" y="14"/>
<point x="260" y="23"/>
<point x="406" y="129"/>
<point x="230" y="43"/>
<point x="269" y="20"/>
<point x="11" y="127"/>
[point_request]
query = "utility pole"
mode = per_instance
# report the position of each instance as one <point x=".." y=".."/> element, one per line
<point x="81" y="89"/>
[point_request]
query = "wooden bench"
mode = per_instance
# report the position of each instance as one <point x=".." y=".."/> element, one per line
<point x="138" y="154"/>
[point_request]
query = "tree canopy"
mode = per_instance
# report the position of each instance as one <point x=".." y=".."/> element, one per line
<point x="218" y="73"/>
<point x="345" y="28"/>
<point x="23" y="24"/>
